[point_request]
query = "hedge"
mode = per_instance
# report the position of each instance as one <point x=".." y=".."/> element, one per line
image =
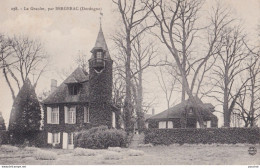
<point x="205" y="136"/>
<point x="3" y="137"/>
<point x="100" y="138"/>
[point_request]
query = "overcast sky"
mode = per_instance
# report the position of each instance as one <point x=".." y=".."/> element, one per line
<point x="65" y="33"/>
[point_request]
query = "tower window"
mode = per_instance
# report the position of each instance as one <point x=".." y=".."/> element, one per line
<point x="73" y="89"/>
<point x="99" y="56"/>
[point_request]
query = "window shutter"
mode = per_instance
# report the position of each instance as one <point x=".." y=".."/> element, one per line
<point x="74" y="115"/>
<point x="86" y="115"/>
<point x="113" y="120"/>
<point x="48" y="115"/>
<point x="49" y="138"/>
<point x="58" y="119"/>
<point x="58" y="137"/>
<point x="170" y="124"/>
<point x="65" y="140"/>
<point x="66" y="114"/>
<point x="198" y="124"/>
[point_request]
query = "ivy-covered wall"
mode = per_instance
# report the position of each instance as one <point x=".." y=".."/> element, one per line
<point x="203" y="135"/>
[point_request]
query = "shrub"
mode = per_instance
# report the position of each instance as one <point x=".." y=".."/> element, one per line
<point x="133" y="152"/>
<point x="3" y="137"/>
<point x="84" y="152"/>
<point x="115" y="149"/>
<point x="31" y="149"/>
<point x="8" y="148"/>
<point x="110" y="155"/>
<point x="204" y="136"/>
<point x="100" y="138"/>
<point x="45" y="155"/>
<point x="145" y="145"/>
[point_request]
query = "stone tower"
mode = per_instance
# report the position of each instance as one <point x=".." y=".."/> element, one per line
<point x="100" y="83"/>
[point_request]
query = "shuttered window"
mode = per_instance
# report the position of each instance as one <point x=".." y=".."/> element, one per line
<point x="70" y="114"/>
<point x="53" y="138"/>
<point x="53" y="115"/>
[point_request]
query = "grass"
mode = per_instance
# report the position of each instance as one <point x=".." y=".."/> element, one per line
<point x="174" y="154"/>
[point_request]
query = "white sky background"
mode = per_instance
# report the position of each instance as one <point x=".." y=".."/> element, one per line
<point x="64" y="33"/>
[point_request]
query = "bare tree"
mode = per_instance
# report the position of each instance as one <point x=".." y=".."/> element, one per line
<point x="31" y="62"/>
<point x="169" y="14"/>
<point x="249" y="100"/>
<point x="5" y="59"/>
<point x="81" y="60"/>
<point x="144" y="53"/>
<point x="133" y="14"/>
<point x="167" y="85"/>
<point x="230" y="64"/>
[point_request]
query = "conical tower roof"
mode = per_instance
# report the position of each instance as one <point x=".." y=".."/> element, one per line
<point x="101" y="43"/>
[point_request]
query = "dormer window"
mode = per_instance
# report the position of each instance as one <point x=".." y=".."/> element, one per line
<point x="73" y="89"/>
<point x="99" y="56"/>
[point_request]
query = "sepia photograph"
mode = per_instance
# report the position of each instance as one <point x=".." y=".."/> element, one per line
<point x="129" y="82"/>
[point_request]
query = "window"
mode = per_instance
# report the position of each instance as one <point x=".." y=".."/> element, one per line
<point x="86" y="115"/>
<point x="99" y="56"/>
<point x="53" y="138"/>
<point x="53" y="115"/>
<point x="73" y="89"/>
<point x="70" y="114"/>
<point x="207" y="124"/>
<point x="70" y="138"/>
<point x="162" y="124"/>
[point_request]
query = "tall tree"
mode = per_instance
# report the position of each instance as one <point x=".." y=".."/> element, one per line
<point x="167" y="85"/>
<point x="31" y="62"/>
<point x="249" y="99"/>
<point x="5" y="59"/>
<point x="169" y="14"/>
<point x="25" y="115"/>
<point x="226" y="72"/>
<point x="133" y="16"/>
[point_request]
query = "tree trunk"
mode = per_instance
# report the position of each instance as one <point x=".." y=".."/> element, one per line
<point x="139" y="103"/>
<point x="128" y="104"/>
<point x="8" y="83"/>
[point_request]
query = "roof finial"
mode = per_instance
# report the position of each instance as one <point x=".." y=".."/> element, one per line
<point x="100" y="19"/>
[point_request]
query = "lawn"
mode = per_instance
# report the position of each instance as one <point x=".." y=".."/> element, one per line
<point x="173" y="154"/>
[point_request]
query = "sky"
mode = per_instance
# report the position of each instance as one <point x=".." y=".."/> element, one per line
<point x="65" y="33"/>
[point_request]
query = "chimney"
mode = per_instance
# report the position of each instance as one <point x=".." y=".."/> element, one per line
<point x="53" y="85"/>
<point x="153" y="111"/>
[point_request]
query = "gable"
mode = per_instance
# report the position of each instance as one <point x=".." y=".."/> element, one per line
<point x="62" y="95"/>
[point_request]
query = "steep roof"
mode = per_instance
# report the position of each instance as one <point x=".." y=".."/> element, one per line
<point x="176" y="111"/>
<point x="101" y="43"/>
<point x="61" y="94"/>
<point x="78" y="76"/>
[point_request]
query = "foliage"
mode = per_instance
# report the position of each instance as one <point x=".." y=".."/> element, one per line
<point x="3" y="137"/>
<point x="110" y="155"/>
<point x="25" y="115"/>
<point x="8" y="148"/>
<point x="84" y="152"/>
<point x="205" y="136"/>
<point x="100" y="138"/>
<point x="115" y="149"/>
<point x="45" y="155"/>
